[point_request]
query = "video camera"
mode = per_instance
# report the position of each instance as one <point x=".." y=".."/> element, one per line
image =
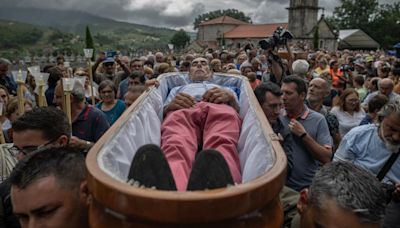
<point x="280" y="37"/>
<point x="346" y="68"/>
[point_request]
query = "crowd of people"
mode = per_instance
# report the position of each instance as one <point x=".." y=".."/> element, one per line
<point x="337" y="115"/>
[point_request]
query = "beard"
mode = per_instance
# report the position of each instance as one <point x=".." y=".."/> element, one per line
<point x="393" y="148"/>
<point x="390" y="146"/>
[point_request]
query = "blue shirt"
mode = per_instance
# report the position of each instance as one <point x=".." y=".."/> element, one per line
<point x="90" y="125"/>
<point x="304" y="164"/>
<point x="363" y="147"/>
<point x="114" y="113"/>
<point x="196" y="90"/>
<point x="367" y="120"/>
<point x="123" y="88"/>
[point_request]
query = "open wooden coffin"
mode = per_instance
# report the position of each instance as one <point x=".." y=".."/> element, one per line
<point x="255" y="202"/>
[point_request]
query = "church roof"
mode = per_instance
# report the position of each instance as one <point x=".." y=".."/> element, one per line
<point x="253" y="31"/>
<point x="224" y="20"/>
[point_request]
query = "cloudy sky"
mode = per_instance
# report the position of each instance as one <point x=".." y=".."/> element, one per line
<point x="173" y="13"/>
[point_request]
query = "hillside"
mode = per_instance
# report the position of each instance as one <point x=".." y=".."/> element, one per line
<point x="41" y="31"/>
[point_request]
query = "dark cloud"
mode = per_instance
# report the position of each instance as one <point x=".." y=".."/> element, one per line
<point x="172" y="13"/>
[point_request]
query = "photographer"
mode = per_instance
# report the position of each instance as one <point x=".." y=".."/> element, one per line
<point x="271" y="46"/>
<point x="108" y="60"/>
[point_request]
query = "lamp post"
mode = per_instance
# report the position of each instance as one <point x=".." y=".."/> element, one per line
<point x="88" y="55"/>
<point x="68" y="85"/>
<point x="20" y="77"/>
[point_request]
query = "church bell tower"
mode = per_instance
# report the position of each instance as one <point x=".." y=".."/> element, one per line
<point x="303" y="16"/>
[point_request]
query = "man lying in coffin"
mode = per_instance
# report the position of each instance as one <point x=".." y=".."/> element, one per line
<point x="198" y="116"/>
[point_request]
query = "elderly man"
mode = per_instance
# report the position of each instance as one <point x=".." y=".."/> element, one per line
<point x="199" y="113"/>
<point x="372" y="147"/>
<point x="49" y="189"/>
<point x="88" y="123"/>
<point x="312" y="141"/>
<point x="318" y="89"/>
<point x="385" y="87"/>
<point x="341" y="195"/>
<point x="6" y="80"/>
<point x="136" y="65"/>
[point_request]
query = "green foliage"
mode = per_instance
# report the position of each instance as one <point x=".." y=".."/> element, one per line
<point x="14" y="35"/>
<point x="180" y="39"/>
<point x="218" y="13"/>
<point x="381" y="22"/>
<point x="89" y="41"/>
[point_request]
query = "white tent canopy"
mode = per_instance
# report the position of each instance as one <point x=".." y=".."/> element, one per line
<point x="356" y="39"/>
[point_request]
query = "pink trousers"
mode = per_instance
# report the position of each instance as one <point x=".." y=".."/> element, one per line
<point x="216" y="126"/>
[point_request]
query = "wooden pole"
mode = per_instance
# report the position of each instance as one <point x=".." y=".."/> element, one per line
<point x="67" y="95"/>
<point x="41" y="97"/>
<point x="20" y="97"/>
<point x="2" y="138"/>
<point x="91" y="83"/>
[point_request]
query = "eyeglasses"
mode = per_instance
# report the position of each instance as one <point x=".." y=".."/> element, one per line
<point x="106" y="91"/>
<point x="29" y="149"/>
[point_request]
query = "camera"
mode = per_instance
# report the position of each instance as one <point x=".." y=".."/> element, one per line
<point x="346" y="68"/>
<point x="280" y="37"/>
<point x="110" y="54"/>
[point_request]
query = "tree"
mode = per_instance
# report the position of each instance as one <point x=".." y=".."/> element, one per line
<point x="180" y="39"/>
<point x="218" y="13"/>
<point x="355" y="13"/>
<point x="89" y="41"/>
<point x="386" y="26"/>
<point x="381" y="22"/>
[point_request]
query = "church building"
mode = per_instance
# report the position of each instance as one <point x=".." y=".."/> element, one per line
<point x="303" y="23"/>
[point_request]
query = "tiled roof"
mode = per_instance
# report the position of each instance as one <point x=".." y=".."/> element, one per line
<point x="224" y="20"/>
<point x="253" y="31"/>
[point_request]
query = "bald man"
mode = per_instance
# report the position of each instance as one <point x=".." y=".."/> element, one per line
<point x="385" y="87"/>
<point x="318" y="89"/>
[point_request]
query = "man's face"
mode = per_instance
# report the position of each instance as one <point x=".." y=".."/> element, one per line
<point x="3" y="98"/>
<point x="44" y="203"/>
<point x="136" y="66"/>
<point x="330" y="215"/>
<point x="200" y="70"/>
<point x="390" y="132"/>
<point x="3" y="70"/>
<point x="27" y="141"/>
<point x="291" y="99"/>
<point x="317" y="90"/>
<point x="385" y="88"/>
<point x="130" y="98"/>
<point x="109" y="67"/>
<point x="159" y="58"/>
<point x="134" y="81"/>
<point x="58" y="96"/>
<point x="272" y="107"/>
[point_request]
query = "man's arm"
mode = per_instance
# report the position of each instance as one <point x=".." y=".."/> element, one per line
<point x="319" y="152"/>
<point x="124" y="67"/>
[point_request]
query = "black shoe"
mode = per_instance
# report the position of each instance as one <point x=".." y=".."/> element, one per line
<point x="150" y="168"/>
<point x="209" y="171"/>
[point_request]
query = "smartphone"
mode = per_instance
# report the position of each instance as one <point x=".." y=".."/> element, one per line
<point x="110" y="54"/>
